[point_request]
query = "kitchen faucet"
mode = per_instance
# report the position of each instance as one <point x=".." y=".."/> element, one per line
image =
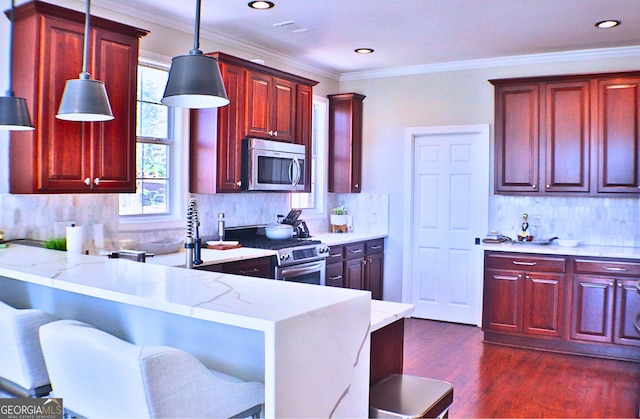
<point x="192" y="244"/>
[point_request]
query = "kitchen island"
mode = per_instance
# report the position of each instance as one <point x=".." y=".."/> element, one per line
<point x="309" y="345"/>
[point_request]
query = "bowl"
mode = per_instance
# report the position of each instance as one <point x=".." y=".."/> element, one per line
<point x="161" y="247"/>
<point x="279" y="231"/>
<point x="568" y="243"/>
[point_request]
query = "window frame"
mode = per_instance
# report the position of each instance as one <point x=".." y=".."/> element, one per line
<point x="178" y="153"/>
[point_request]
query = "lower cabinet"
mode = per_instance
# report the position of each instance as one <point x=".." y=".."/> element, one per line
<point x="357" y="266"/>
<point x="258" y="267"/>
<point x="561" y="303"/>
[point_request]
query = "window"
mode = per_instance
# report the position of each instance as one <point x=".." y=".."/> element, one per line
<point x="157" y="196"/>
<point x="313" y="204"/>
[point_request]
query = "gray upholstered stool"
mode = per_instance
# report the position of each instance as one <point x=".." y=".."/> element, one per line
<point x="408" y="396"/>
<point x="22" y="369"/>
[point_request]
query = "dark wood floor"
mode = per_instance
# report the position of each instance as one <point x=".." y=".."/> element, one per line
<point x="493" y="381"/>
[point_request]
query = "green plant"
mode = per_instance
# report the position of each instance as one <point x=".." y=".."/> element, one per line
<point x="59" y="243"/>
<point x="341" y="210"/>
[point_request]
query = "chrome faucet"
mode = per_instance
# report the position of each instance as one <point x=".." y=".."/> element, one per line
<point x="192" y="244"/>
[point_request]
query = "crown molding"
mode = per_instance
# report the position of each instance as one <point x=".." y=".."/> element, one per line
<point x="578" y="55"/>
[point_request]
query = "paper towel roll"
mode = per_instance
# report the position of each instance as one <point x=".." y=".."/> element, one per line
<point x="74" y="239"/>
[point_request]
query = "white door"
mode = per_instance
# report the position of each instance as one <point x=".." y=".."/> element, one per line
<point x="448" y="193"/>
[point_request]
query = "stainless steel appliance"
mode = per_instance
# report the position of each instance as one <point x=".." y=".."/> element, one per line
<point x="298" y="260"/>
<point x="272" y="166"/>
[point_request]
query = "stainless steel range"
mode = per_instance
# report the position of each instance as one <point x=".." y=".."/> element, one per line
<point x="298" y="259"/>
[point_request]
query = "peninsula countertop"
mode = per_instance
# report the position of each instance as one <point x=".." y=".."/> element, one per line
<point x="632" y="253"/>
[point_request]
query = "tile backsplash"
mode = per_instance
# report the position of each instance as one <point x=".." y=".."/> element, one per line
<point x="594" y="221"/>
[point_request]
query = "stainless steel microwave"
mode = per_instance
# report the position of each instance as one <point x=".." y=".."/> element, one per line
<point x="272" y="166"/>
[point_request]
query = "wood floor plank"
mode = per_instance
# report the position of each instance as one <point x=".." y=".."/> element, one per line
<point x="492" y="381"/>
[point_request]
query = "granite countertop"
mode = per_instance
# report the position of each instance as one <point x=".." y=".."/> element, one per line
<point x="555" y="249"/>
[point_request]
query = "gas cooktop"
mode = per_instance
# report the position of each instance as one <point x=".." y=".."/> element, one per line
<point x="266" y="243"/>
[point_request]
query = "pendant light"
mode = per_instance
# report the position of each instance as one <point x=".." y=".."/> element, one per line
<point x="194" y="79"/>
<point x="14" y="115"/>
<point x="84" y="99"/>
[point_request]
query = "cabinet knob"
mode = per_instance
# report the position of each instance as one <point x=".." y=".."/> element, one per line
<point x="534" y="186"/>
<point x="548" y="186"/>
<point x="275" y="133"/>
<point x="96" y="181"/>
<point x="239" y="183"/>
<point x="619" y="284"/>
<point x="87" y="181"/>
<point x="356" y="186"/>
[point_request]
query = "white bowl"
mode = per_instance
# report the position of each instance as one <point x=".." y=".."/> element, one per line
<point x="568" y="243"/>
<point x="279" y="231"/>
<point x="161" y="247"/>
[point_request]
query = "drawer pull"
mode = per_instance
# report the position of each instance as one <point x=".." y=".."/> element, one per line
<point x="335" y="278"/>
<point x="517" y="262"/>
<point x="355" y="251"/>
<point x="615" y="269"/>
<point x="376" y="247"/>
<point x="254" y="270"/>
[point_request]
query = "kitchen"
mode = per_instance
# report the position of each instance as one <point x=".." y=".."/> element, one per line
<point x="459" y="95"/>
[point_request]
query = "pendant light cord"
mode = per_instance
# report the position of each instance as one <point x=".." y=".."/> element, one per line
<point x="85" y="75"/>
<point x="10" y="61"/>
<point x="196" y="31"/>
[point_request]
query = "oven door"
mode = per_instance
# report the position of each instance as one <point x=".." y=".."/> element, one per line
<point x="306" y="273"/>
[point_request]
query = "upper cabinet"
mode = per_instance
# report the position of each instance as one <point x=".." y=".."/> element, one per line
<point x="63" y="156"/>
<point x="567" y="135"/>
<point x="345" y="142"/>
<point x="265" y="103"/>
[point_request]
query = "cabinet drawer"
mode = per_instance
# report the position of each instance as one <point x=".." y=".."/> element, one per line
<point x="336" y="254"/>
<point x="259" y="267"/>
<point x="374" y="246"/>
<point x="527" y="262"/>
<point x="605" y="267"/>
<point x="334" y="275"/>
<point x="352" y="251"/>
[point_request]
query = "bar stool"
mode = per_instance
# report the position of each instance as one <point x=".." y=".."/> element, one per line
<point x="408" y="396"/>
<point x="100" y="375"/>
<point x="22" y="369"/>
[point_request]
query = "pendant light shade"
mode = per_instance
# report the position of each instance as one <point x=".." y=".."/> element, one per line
<point x="194" y="79"/>
<point x="84" y="99"/>
<point x="14" y="114"/>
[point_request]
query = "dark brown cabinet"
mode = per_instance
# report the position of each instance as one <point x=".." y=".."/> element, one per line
<point x="524" y="294"/>
<point x="568" y="304"/>
<point x="605" y="301"/>
<point x="568" y="135"/>
<point x="264" y="103"/>
<point x="345" y="142"/>
<point x="63" y="156"/>
<point x="357" y="266"/>
<point x="619" y="133"/>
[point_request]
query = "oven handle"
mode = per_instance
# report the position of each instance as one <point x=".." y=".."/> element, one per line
<point x="294" y="172"/>
<point x="301" y="270"/>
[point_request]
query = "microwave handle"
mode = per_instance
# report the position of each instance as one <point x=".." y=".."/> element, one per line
<point x="294" y="172"/>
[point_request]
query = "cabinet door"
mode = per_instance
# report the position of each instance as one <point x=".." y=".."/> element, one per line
<point x="114" y="145"/>
<point x="258" y="100"/>
<point x="592" y="310"/>
<point x="503" y="301"/>
<point x="517" y="138"/>
<point x="345" y="142"/>
<point x="627" y="311"/>
<point x="64" y="149"/>
<point x="304" y="117"/>
<point x="354" y="273"/>
<point x="567" y="136"/>
<point x="373" y="275"/>
<point x="282" y="123"/>
<point x="619" y="135"/>
<point x="334" y="277"/>
<point x="230" y="130"/>
<point x="543" y="304"/>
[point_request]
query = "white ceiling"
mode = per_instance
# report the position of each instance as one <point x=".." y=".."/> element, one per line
<point x="402" y="32"/>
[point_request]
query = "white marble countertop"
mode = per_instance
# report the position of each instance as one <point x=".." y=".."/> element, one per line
<point x="333" y="239"/>
<point x="555" y="249"/>
<point x="384" y="313"/>
<point x="211" y="256"/>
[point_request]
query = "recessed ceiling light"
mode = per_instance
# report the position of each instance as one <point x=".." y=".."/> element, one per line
<point x="261" y="5"/>
<point x="363" y="50"/>
<point x="606" y="24"/>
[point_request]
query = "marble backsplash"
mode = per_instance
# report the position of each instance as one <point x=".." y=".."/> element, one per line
<point x="594" y="221"/>
<point x="34" y="216"/>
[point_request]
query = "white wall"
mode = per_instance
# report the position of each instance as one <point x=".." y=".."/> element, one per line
<point x="465" y="97"/>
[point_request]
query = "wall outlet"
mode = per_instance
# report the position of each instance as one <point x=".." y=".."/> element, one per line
<point x="60" y="228"/>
